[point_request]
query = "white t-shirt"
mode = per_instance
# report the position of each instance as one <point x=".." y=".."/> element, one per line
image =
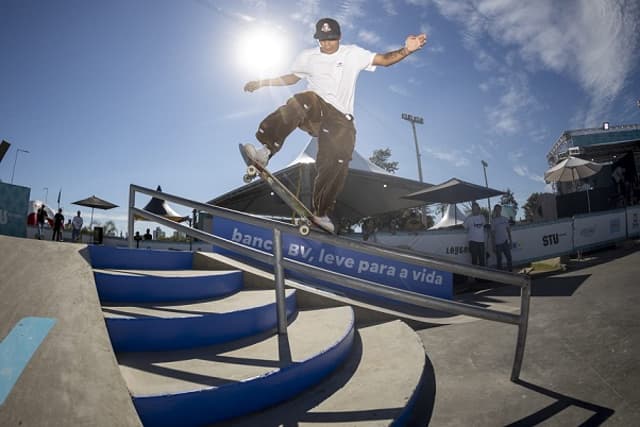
<point x="474" y="224"/>
<point x="333" y="76"/>
<point x="76" y="222"/>
<point x="499" y="226"/>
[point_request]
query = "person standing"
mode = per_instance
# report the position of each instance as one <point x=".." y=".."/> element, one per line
<point x="58" y="223"/>
<point x="76" y="227"/>
<point x="41" y="216"/>
<point x="147" y="235"/>
<point x="474" y="224"/>
<point x="325" y="109"/>
<point x="501" y="236"/>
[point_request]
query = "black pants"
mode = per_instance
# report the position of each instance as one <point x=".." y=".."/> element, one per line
<point x="477" y="253"/>
<point x="336" y="135"/>
<point x="504" y="248"/>
<point x="57" y="232"/>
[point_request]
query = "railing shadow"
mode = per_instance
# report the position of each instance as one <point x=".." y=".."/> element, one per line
<point x="600" y="413"/>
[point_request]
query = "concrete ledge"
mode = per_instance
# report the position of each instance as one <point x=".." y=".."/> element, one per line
<point x="155" y="286"/>
<point x="144" y="259"/>
<point x="169" y="327"/>
<point x="211" y="384"/>
<point x="376" y="386"/>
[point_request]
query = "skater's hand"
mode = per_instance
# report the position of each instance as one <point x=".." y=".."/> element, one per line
<point x="251" y="86"/>
<point x="414" y="43"/>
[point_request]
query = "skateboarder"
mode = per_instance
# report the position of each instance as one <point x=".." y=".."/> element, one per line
<point x="325" y="110"/>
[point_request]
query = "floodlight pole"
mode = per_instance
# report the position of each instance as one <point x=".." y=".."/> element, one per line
<point x="19" y="150"/>
<point x="413" y="120"/>
<point x="486" y="184"/>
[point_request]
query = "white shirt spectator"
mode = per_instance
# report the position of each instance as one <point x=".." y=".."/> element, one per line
<point x="474" y="224"/>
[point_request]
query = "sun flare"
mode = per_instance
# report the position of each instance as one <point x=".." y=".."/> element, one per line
<point x="262" y="50"/>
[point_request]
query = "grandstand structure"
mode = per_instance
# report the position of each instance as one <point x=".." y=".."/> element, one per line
<point x="603" y="145"/>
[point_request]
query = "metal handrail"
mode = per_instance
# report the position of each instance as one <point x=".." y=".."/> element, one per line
<point x="280" y="263"/>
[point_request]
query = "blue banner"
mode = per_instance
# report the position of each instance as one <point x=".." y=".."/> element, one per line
<point x="349" y="262"/>
<point x="14" y="207"/>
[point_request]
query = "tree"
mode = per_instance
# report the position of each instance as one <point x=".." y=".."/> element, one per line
<point x="509" y="199"/>
<point x="381" y="158"/>
<point x="533" y="202"/>
<point x="110" y="228"/>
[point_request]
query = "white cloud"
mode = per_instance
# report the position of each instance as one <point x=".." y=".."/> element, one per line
<point x="455" y="157"/>
<point x="369" y="37"/>
<point x="389" y="7"/>
<point x="594" y="43"/>
<point x="400" y="90"/>
<point x="504" y="117"/>
<point x="306" y="11"/>
<point x="523" y="171"/>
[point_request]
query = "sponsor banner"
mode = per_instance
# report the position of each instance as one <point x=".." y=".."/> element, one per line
<point x="14" y="208"/>
<point x="528" y="242"/>
<point x="378" y="269"/>
<point x="595" y="229"/>
<point x="452" y="245"/>
<point x="540" y="241"/>
<point x="633" y="221"/>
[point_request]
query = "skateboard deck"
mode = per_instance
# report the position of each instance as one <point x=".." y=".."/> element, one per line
<point x="306" y="216"/>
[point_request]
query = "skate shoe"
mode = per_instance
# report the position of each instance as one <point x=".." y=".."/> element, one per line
<point x="325" y="222"/>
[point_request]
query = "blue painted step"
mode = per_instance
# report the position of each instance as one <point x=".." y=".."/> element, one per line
<point x="158" y="286"/>
<point x="156" y="327"/>
<point x="202" y="386"/>
<point x="140" y="259"/>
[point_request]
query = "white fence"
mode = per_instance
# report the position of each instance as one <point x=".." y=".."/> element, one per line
<point x="531" y="242"/>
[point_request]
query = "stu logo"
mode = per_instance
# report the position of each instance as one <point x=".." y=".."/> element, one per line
<point x="550" y="239"/>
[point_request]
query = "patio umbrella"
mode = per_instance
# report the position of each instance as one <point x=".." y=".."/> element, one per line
<point x="572" y="169"/>
<point x="94" y="202"/>
<point x="161" y="207"/>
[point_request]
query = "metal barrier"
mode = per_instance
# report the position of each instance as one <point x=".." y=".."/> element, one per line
<point x="280" y="263"/>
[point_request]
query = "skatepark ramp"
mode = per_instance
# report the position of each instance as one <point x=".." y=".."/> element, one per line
<point x="338" y="281"/>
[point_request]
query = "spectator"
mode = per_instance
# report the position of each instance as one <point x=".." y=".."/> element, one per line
<point x="41" y="215"/>
<point x="501" y="236"/>
<point x="474" y="224"/>
<point x="137" y="237"/>
<point x="147" y="235"/>
<point x="58" y="223"/>
<point x="76" y="227"/>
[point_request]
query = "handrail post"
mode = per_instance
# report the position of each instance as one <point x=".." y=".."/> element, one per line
<point x="279" y="278"/>
<point x="525" y="296"/>
<point x="132" y="202"/>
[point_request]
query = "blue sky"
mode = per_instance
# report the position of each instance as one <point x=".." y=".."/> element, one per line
<point x="104" y="94"/>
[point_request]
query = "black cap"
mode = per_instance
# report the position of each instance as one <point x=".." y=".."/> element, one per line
<point x="327" y="29"/>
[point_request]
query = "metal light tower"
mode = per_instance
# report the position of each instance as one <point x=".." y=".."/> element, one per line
<point x="413" y="120"/>
<point x="486" y="183"/>
<point x="19" y="150"/>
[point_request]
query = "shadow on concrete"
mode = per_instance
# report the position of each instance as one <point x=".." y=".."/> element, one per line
<point x="600" y="413"/>
<point x="543" y="287"/>
<point x="423" y="406"/>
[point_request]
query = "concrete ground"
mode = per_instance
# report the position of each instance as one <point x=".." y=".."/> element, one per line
<point x="72" y="379"/>
<point x="581" y="365"/>
<point x="582" y="358"/>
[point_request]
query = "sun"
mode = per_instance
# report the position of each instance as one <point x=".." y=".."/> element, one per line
<point x="262" y="50"/>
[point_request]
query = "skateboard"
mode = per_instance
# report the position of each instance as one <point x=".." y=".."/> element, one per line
<point x="305" y="216"/>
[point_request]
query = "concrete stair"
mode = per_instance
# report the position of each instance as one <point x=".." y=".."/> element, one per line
<point x="197" y="362"/>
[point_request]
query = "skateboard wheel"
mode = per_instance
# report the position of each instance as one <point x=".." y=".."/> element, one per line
<point x="247" y="178"/>
<point x="252" y="170"/>
<point x="304" y="229"/>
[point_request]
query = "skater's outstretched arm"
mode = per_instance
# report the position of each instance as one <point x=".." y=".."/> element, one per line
<point x="411" y="44"/>
<point x="286" y="80"/>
